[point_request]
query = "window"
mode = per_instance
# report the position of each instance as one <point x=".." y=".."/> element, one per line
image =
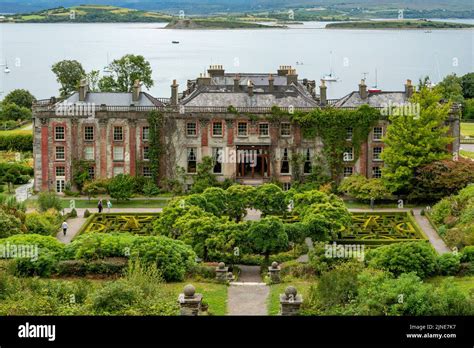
<point x="378" y="133"/>
<point x="285" y="163"/>
<point x="192" y="159"/>
<point x="242" y="129"/>
<point x="91" y="172"/>
<point x="217" y="154"/>
<point x="60" y="185"/>
<point x="60" y="156"/>
<point x="191" y="129"/>
<point x="376" y="172"/>
<point x="146" y="171"/>
<point x="286" y="186"/>
<point x="263" y="129"/>
<point x="307" y="162"/>
<point x="217" y="129"/>
<point x="59" y="133"/>
<point x="88" y="133"/>
<point x="285" y="129"/>
<point x="348" y="171"/>
<point x="89" y="153"/>
<point x="376" y="154"/>
<point x="60" y="171"/>
<point x="118" y="133"/>
<point x="146" y="155"/>
<point x="349" y="133"/>
<point x="118" y="171"/>
<point x="348" y="154"/>
<point x="145" y="133"/>
<point x="118" y="153"/>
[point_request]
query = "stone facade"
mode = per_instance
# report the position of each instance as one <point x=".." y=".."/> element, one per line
<point x="252" y="147"/>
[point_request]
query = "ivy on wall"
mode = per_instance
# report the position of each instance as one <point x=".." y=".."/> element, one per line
<point x="155" y="122"/>
<point x="330" y="124"/>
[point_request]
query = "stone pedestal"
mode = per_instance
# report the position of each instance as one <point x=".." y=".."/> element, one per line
<point x="189" y="301"/>
<point x="290" y="302"/>
<point x="274" y="273"/>
<point x="222" y="272"/>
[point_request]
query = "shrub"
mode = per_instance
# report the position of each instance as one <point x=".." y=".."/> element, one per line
<point x="121" y="187"/>
<point x="15" y="112"/>
<point x="115" y="296"/>
<point x="270" y="200"/>
<point x="359" y="187"/>
<point x="16" y="142"/>
<point x="49" y="200"/>
<point x="398" y="258"/>
<point x="467" y="254"/>
<point x="15" y="173"/>
<point x="10" y="225"/>
<point x="20" y="97"/>
<point x="448" y="264"/>
<point x="87" y="213"/>
<point x="150" y="189"/>
<point x="73" y="213"/>
<point x="40" y="224"/>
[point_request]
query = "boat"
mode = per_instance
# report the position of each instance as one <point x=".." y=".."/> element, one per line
<point x="175" y="42"/>
<point x="374" y="88"/>
<point x="330" y="77"/>
<point x="107" y="67"/>
<point x="6" y="70"/>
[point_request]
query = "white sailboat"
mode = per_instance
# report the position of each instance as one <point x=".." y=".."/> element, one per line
<point x="331" y="77"/>
<point x="375" y="88"/>
<point x="106" y="68"/>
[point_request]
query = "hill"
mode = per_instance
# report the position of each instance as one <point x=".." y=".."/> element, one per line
<point x="398" y="24"/>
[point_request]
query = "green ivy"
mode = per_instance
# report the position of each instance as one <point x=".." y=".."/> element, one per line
<point x="155" y="121"/>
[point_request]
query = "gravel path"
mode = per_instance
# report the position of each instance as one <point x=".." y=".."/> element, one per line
<point x="74" y="226"/>
<point x="431" y="233"/>
<point x="249" y="295"/>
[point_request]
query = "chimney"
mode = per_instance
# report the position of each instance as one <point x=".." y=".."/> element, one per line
<point x="204" y="80"/>
<point x="174" y="93"/>
<point x="271" y="81"/>
<point x="83" y="89"/>
<point x="250" y="87"/>
<point x="323" y="93"/>
<point x="283" y="71"/>
<point x="236" y="83"/>
<point x="215" y="70"/>
<point x="136" y="89"/>
<point x="291" y="77"/>
<point x="408" y="89"/>
<point x="363" y="89"/>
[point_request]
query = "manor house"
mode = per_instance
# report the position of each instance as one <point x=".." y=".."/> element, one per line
<point x="227" y="116"/>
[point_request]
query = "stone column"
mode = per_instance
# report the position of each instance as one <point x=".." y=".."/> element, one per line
<point x="290" y="302"/>
<point x="189" y="301"/>
<point x="274" y="272"/>
<point x="44" y="154"/>
<point x="221" y="272"/>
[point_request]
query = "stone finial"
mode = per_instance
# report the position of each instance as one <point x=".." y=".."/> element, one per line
<point x="274" y="264"/>
<point x="274" y="272"/>
<point x="291" y="291"/>
<point x="221" y="265"/>
<point x="290" y="302"/>
<point x="222" y="272"/>
<point x="189" y="290"/>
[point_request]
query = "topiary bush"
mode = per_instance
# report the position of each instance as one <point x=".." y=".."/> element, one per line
<point x="398" y="258"/>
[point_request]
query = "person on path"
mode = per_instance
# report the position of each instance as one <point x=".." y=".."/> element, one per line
<point x="109" y="205"/>
<point x="64" y="226"/>
<point x="99" y="206"/>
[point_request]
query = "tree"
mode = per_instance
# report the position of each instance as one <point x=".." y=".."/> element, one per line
<point x="442" y="178"/>
<point x="467" y="82"/>
<point x="95" y="187"/>
<point x="323" y="221"/>
<point x="20" y="97"/>
<point x="270" y="200"/>
<point x="48" y="200"/>
<point x="239" y="198"/>
<point x="121" y="187"/>
<point x="415" y="140"/>
<point x="204" y="177"/>
<point x="15" y="112"/>
<point x="217" y="197"/>
<point x="468" y="109"/>
<point x="124" y="72"/>
<point x="450" y="88"/>
<point x="93" y="80"/>
<point x="68" y="74"/>
<point x="359" y="187"/>
<point x="268" y="236"/>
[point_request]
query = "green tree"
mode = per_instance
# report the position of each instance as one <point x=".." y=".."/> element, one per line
<point x="359" y="187"/>
<point x="323" y="221"/>
<point x="95" y="187"/>
<point x="15" y="112"/>
<point x="268" y="236"/>
<point x="270" y="200"/>
<point x="204" y="177"/>
<point x="415" y="140"/>
<point x="450" y="88"/>
<point x="93" y="78"/>
<point x="121" y="187"/>
<point x="20" y="97"/>
<point x="467" y="82"/>
<point x="217" y="197"/>
<point x="124" y="72"/>
<point x="68" y="74"/>
<point x="239" y="198"/>
<point x="49" y="200"/>
<point x="468" y="109"/>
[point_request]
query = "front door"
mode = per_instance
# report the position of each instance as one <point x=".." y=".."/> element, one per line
<point x="253" y="162"/>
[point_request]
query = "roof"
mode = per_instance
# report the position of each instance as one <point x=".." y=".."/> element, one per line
<point x="114" y="98"/>
<point x="374" y="99"/>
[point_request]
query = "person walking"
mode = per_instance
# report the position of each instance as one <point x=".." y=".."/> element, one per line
<point x="99" y="206"/>
<point x="109" y="205"/>
<point x="64" y="226"/>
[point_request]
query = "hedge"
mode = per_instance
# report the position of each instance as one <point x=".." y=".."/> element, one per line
<point x="16" y="142"/>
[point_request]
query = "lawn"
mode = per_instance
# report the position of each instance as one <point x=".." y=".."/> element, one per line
<point x="16" y="132"/>
<point x="273" y="301"/>
<point x="467" y="129"/>
<point x="467" y="154"/>
<point x="215" y="295"/>
<point x="464" y="283"/>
